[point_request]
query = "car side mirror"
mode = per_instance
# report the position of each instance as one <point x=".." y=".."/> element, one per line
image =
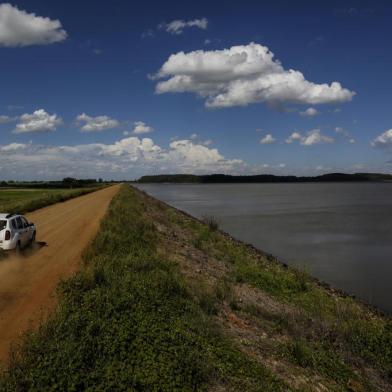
<point x="31" y="224"/>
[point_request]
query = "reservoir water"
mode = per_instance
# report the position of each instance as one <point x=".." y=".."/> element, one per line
<point x="339" y="232"/>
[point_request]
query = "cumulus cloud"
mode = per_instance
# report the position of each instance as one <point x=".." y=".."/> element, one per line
<point x="383" y="141"/>
<point x="130" y="156"/>
<point x="96" y="124"/>
<point x="190" y="156"/>
<point x="19" y="28"/>
<point x="177" y="26"/>
<point x="141" y="127"/>
<point x="268" y="139"/>
<point x="295" y="136"/>
<point x="38" y="121"/>
<point x="310" y="138"/>
<point x="242" y="75"/>
<point x="309" y="112"/>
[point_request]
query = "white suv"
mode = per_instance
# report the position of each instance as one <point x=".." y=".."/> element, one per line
<point x="15" y="232"/>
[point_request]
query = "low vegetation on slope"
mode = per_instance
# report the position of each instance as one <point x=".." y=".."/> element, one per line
<point x="168" y="303"/>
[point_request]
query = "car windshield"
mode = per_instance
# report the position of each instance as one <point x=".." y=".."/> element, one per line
<point x="3" y="224"/>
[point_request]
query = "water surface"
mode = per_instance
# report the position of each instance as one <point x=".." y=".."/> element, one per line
<point x="340" y="233"/>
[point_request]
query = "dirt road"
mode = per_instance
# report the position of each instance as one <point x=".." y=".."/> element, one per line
<point x="27" y="283"/>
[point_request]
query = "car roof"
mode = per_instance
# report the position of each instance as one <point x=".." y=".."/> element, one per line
<point x="5" y="216"/>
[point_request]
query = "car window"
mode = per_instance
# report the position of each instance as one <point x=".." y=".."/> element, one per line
<point x="3" y="224"/>
<point x="19" y="223"/>
<point x="24" y="221"/>
<point x="13" y="223"/>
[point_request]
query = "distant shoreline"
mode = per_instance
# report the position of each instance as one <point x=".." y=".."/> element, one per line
<point x="264" y="178"/>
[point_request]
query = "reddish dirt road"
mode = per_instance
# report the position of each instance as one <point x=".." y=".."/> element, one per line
<point x="27" y="283"/>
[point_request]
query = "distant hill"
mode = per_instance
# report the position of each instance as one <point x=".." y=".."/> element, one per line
<point x="263" y="178"/>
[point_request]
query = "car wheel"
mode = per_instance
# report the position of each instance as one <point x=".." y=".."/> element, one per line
<point x="33" y="238"/>
<point x="18" y="248"/>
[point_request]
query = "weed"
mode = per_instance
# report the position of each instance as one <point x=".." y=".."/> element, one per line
<point x="324" y="361"/>
<point x="212" y="222"/>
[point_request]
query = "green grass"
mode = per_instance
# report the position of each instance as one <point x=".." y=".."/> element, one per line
<point x="26" y="200"/>
<point x="331" y="329"/>
<point x="320" y="359"/>
<point x="129" y="322"/>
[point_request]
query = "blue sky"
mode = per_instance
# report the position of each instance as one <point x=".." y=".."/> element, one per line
<point x="102" y="89"/>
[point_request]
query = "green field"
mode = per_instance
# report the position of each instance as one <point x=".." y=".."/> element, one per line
<point x="168" y="303"/>
<point x="25" y="200"/>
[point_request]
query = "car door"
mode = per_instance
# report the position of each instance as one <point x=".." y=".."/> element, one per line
<point x="22" y="231"/>
<point x="3" y="225"/>
<point x="28" y="229"/>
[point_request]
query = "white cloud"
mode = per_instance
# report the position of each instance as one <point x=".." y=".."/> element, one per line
<point x="96" y="124"/>
<point x="177" y="26"/>
<point x="242" y="75"/>
<point x="140" y="127"/>
<point x="198" y="140"/>
<point x="310" y="138"/>
<point x="148" y="34"/>
<point x="18" y="28"/>
<point x="190" y="156"/>
<point x="210" y="41"/>
<point x="309" y="112"/>
<point x="384" y="140"/>
<point x="325" y="169"/>
<point x="340" y="130"/>
<point x="6" y="119"/>
<point x="14" y="107"/>
<point x="13" y="147"/>
<point x="38" y="121"/>
<point x="345" y="134"/>
<point x="268" y="139"/>
<point x="127" y="157"/>
<point x="293" y="137"/>
<point x="316" y="137"/>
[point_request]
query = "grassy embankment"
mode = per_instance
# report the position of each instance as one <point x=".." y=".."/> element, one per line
<point x="166" y="302"/>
